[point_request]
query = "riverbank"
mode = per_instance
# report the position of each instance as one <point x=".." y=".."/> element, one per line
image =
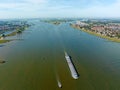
<point x="2" y="40"/>
<point x="113" y="39"/>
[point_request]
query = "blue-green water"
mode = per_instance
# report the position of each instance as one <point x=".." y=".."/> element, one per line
<point x="34" y="62"/>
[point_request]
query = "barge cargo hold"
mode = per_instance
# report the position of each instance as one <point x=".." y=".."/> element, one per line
<point x="71" y="66"/>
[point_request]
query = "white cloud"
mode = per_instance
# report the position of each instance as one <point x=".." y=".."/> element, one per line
<point x="25" y="3"/>
<point x="36" y="1"/>
<point x="98" y="10"/>
<point x="36" y="8"/>
<point x="10" y="5"/>
<point x="25" y="8"/>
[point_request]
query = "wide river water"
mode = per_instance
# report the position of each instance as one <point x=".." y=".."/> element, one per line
<point x="36" y="61"/>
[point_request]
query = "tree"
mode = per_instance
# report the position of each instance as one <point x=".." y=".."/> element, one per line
<point x="118" y="35"/>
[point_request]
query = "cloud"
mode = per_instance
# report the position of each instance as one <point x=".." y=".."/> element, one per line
<point x="36" y="1"/>
<point x="12" y="4"/>
<point x="97" y="8"/>
<point x="59" y="8"/>
<point x="20" y="8"/>
<point x="104" y="11"/>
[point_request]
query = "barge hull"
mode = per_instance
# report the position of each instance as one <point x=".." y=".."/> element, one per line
<point x="71" y="66"/>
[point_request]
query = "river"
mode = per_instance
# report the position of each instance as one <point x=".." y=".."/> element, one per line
<point x="36" y="61"/>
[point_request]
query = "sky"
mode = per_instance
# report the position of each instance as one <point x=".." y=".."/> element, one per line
<point x="59" y="8"/>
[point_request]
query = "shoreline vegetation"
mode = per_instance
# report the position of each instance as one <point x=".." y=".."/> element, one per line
<point x="113" y="39"/>
<point x="11" y="28"/>
<point x="57" y="21"/>
<point x="4" y="41"/>
<point x="17" y="31"/>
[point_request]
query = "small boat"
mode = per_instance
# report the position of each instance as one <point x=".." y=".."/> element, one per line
<point x="59" y="84"/>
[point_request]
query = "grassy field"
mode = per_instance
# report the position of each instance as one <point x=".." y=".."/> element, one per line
<point x="5" y="41"/>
